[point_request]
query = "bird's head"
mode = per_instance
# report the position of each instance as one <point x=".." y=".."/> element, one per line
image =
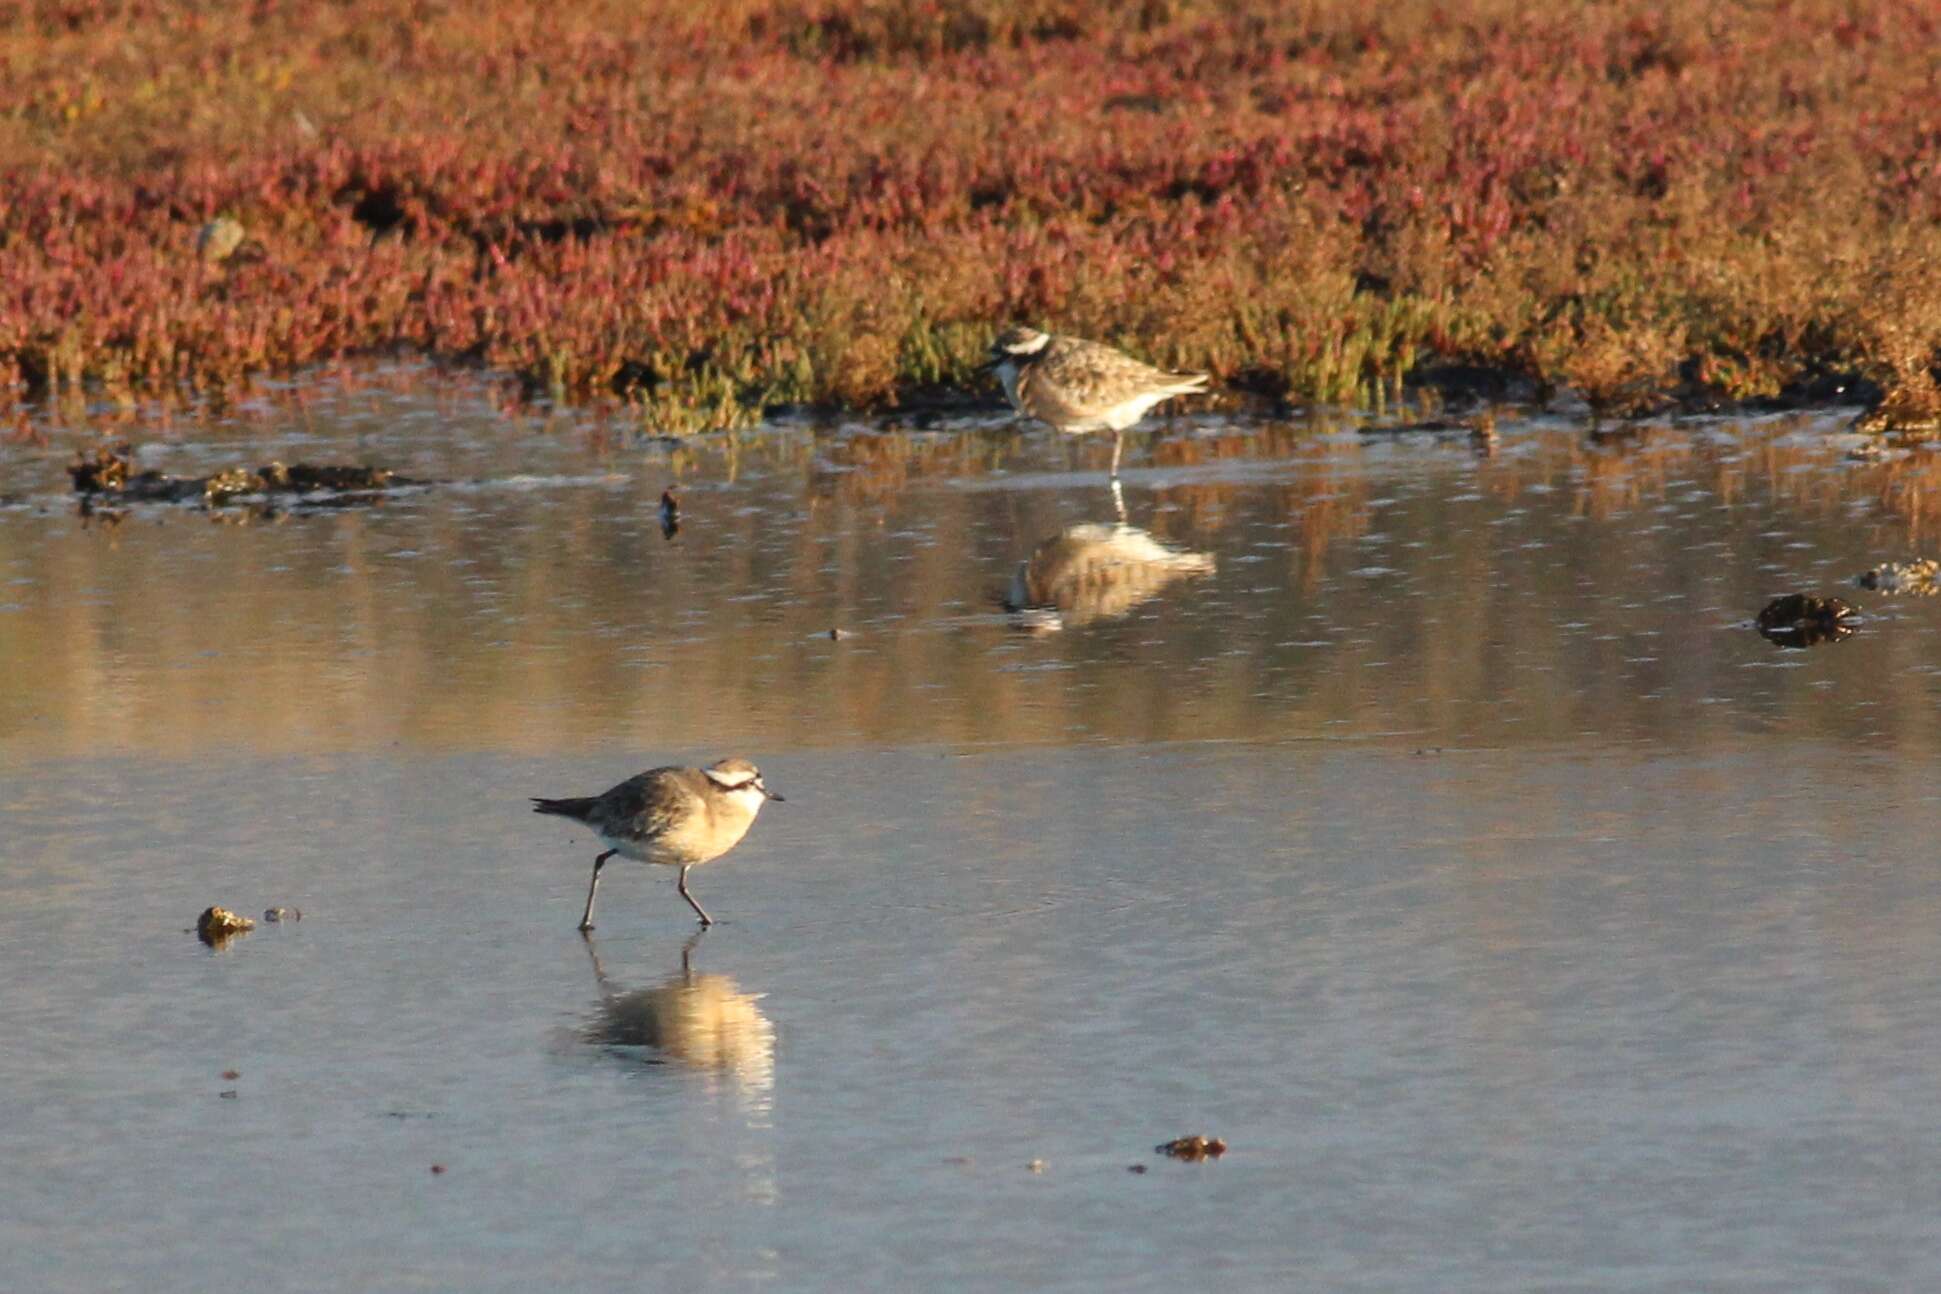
<point x="1015" y="343"/>
<point x="740" y="779"/>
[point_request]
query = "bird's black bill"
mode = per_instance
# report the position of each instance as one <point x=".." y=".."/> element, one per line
<point x="779" y="799"/>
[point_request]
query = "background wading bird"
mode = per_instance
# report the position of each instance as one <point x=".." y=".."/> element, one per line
<point x="1077" y="386"/>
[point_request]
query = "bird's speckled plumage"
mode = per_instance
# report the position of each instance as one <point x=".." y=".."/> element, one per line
<point x="1075" y="385"/>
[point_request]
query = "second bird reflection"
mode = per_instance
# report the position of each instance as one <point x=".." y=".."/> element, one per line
<point x="1095" y="571"/>
<point x="693" y="1019"/>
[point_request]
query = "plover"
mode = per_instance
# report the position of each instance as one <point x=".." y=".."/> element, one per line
<point x="1077" y="386"/>
<point x="676" y="817"/>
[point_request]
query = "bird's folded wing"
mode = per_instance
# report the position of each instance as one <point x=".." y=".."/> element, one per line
<point x="646" y="807"/>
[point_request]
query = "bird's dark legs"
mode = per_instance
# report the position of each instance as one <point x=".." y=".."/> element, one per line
<point x="586" y="918"/>
<point x="681" y="885"/>
<point x="1118" y="447"/>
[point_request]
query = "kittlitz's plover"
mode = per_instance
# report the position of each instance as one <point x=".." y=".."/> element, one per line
<point x="1077" y="386"/>
<point x="676" y="817"/>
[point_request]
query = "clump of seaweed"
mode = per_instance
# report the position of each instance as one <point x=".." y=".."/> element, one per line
<point x="1916" y="578"/>
<point x="105" y="472"/>
<point x="1805" y="620"/>
<point x="218" y="925"/>
<point x="1195" y="1149"/>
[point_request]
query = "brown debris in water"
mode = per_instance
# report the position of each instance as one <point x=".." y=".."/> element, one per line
<point x="1805" y="619"/>
<point x="106" y="472"/>
<point x="217" y="926"/>
<point x="1916" y="578"/>
<point x="1193" y="1149"/>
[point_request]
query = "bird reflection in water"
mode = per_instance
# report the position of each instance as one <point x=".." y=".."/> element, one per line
<point x="1095" y="571"/>
<point x="694" y="1019"/>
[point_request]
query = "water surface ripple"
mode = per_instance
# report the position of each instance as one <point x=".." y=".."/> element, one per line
<point x="1432" y="827"/>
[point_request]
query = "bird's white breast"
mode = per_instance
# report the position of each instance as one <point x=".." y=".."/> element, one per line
<point x="1007" y="373"/>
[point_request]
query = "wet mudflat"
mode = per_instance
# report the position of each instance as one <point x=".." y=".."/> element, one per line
<point x="1436" y="830"/>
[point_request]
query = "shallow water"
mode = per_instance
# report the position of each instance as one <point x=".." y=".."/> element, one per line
<point x="1452" y="847"/>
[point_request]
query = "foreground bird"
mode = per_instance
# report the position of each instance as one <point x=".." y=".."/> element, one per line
<point x="677" y="817"/>
<point x="1077" y="386"/>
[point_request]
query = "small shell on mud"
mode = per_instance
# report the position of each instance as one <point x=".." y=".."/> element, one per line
<point x="274" y="915"/>
<point x="222" y="922"/>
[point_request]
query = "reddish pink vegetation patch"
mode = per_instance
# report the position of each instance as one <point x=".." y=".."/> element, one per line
<point x="711" y="210"/>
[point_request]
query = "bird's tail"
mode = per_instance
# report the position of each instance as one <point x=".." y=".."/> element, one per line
<point x="1187" y="383"/>
<point x="576" y="809"/>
